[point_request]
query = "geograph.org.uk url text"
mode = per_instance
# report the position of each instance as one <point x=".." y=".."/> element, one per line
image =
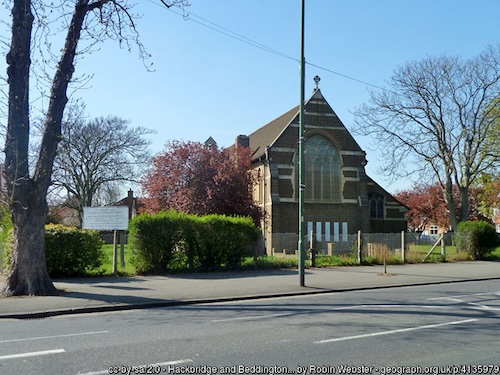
<point x="306" y="370"/>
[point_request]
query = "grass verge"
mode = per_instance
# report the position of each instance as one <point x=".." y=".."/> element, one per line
<point x="415" y="255"/>
<point x="107" y="266"/>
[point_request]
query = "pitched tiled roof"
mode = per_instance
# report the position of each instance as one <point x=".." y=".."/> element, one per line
<point x="267" y="135"/>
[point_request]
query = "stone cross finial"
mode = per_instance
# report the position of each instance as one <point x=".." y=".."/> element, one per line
<point x="316" y="81"/>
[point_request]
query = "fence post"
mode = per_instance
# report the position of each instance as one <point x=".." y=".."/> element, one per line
<point x="329" y="249"/>
<point x="312" y="248"/>
<point x="360" y="246"/>
<point x="403" y="247"/>
<point x="443" y="248"/>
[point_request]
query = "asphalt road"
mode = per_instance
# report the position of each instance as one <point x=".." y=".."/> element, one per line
<point x="397" y="330"/>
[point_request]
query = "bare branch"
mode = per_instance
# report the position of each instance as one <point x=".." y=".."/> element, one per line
<point x="98" y="153"/>
<point x="438" y="113"/>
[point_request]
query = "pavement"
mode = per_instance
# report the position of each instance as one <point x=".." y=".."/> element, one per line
<point x="101" y="294"/>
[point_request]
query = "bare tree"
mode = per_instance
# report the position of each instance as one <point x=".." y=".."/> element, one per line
<point x="93" y="21"/>
<point x="95" y="155"/>
<point x="435" y="119"/>
<point x="493" y="136"/>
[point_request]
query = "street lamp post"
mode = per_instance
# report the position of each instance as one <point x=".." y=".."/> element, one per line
<point x="301" y="184"/>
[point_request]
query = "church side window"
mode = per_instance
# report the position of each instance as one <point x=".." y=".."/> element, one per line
<point x="376" y="206"/>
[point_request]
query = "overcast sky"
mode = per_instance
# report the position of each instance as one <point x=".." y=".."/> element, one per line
<point x="229" y="67"/>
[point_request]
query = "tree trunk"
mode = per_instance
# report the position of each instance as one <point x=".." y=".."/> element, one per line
<point x="450" y="202"/>
<point x="28" y="195"/>
<point x="464" y="208"/>
<point x="28" y="275"/>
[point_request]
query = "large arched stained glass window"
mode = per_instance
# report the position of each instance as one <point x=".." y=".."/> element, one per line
<point x="322" y="170"/>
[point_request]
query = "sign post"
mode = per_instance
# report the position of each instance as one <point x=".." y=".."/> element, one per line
<point x="113" y="218"/>
<point x="105" y="218"/>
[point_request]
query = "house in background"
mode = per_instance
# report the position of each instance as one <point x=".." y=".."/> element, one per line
<point x="434" y="230"/>
<point x="64" y="215"/>
<point x="71" y="217"/>
<point x="134" y="204"/>
<point x="340" y="198"/>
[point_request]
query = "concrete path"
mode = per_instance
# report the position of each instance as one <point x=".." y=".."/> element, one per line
<point x="121" y="293"/>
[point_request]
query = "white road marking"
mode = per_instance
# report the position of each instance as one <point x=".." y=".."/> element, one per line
<point x="395" y="331"/>
<point x="152" y="366"/>
<point x="32" y="354"/>
<point x="451" y="299"/>
<point x="404" y="305"/>
<point x="54" y="337"/>
<point x="481" y="306"/>
<point x="322" y="311"/>
<point x="460" y="299"/>
<point x="268" y="316"/>
<point x="487" y="293"/>
<point x="250" y="317"/>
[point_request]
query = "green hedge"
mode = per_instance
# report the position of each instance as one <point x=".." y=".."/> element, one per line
<point x="72" y="252"/>
<point x="223" y="241"/>
<point x="6" y="239"/>
<point x="478" y="238"/>
<point x="153" y="239"/>
<point x="68" y="250"/>
<point x="171" y="240"/>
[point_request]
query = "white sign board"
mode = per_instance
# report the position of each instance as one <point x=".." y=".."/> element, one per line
<point x="105" y="218"/>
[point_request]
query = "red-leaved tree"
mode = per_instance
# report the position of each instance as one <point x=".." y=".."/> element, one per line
<point x="426" y="206"/>
<point x="196" y="179"/>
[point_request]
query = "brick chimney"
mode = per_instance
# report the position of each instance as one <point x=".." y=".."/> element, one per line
<point x="242" y="141"/>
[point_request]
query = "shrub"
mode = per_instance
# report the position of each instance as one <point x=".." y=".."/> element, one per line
<point x="6" y="239"/>
<point x="68" y="250"/>
<point x="270" y="262"/>
<point x="336" y="260"/>
<point x="7" y="247"/>
<point x="224" y="241"/>
<point x="379" y="251"/>
<point x="188" y="246"/>
<point x="72" y="252"/>
<point x="154" y="239"/>
<point x="477" y="238"/>
<point x="172" y="240"/>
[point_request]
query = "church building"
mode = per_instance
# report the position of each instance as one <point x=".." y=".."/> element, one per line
<point x="339" y="198"/>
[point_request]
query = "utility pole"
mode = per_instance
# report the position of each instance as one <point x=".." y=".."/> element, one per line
<point x="301" y="152"/>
